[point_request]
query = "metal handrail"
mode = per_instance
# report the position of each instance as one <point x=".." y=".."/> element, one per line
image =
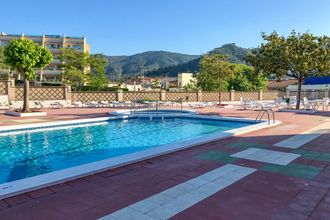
<point x="262" y="112"/>
<point x="138" y="107"/>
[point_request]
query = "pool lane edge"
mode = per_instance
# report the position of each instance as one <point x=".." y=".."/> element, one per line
<point x="21" y="186"/>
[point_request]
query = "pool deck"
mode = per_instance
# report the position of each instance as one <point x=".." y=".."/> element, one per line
<point x="297" y="187"/>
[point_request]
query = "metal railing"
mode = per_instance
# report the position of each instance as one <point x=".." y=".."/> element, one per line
<point x="155" y="107"/>
<point x="269" y="113"/>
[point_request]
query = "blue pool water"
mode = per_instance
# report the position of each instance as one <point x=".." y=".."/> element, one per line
<point x="32" y="153"/>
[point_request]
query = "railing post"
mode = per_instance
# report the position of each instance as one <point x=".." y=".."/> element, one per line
<point x="120" y="95"/>
<point x="199" y="95"/>
<point x="162" y="95"/>
<point x="232" y="95"/>
<point x="67" y="92"/>
<point x="11" y="90"/>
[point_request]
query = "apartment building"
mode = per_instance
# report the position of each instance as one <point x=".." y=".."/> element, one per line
<point x="54" y="43"/>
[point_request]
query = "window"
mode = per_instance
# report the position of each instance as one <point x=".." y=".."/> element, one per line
<point x="50" y="68"/>
<point x="76" y="47"/>
<point x="53" y="46"/>
<point x="3" y="43"/>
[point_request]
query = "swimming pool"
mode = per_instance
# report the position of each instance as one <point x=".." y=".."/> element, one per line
<point x="38" y="152"/>
<point x="38" y="156"/>
<point x="160" y="112"/>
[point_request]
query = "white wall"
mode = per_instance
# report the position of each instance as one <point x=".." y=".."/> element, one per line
<point x="308" y="87"/>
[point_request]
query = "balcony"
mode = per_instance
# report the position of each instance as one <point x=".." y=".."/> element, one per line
<point x="52" y="72"/>
<point x="56" y="62"/>
<point x="53" y="50"/>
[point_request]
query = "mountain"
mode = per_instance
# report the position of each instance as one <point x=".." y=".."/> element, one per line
<point x="126" y="66"/>
<point x="235" y="54"/>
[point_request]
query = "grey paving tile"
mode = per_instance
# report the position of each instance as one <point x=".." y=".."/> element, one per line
<point x="178" y="205"/>
<point x="130" y="214"/>
<point x="180" y="190"/>
<point x="162" y="213"/>
<point x="267" y="156"/>
<point x="297" y="141"/>
<point x="178" y="198"/>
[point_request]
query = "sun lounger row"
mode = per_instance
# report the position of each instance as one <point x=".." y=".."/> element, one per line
<point x="257" y="105"/>
<point x="101" y="104"/>
<point x="290" y="103"/>
<point x="202" y="104"/>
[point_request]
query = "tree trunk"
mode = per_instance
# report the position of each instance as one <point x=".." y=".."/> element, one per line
<point x="219" y="81"/>
<point x="219" y="97"/>
<point x="26" y="95"/>
<point x="299" y="93"/>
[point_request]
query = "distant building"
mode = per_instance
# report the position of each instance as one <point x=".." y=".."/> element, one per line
<point x="313" y="83"/>
<point x="168" y="82"/>
<point x="113" y="84"/>
<point x="185" y="78"/>
<point x="280" y="85"/>
<point x="134" y="87"/>
<point x="54" y="43"/>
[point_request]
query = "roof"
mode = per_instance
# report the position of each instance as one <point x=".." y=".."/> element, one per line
<point x="274" y="84"/>
<point x="314" y="80"/>
<point x="46" y="35"/>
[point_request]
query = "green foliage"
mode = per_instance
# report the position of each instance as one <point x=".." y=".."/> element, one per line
<point x="97" y="77"/>
<point x="235" y="54"/>
<point x="2" y="58"/>
<point x="137" y="64"/>
<point x="108" y="89"/>
<point x="81" y="68"/>
<point x="214" y="73"/>
<point x="74" y="64"/>
<point x="77" y="78"/>
<point x="239" y="77"/>
<point x="247" y="79"/>
<point x="190" y="87"/>
<point x="3" y="65"/>
<point x="74" y="58"/>
<point x="173" y="71"/>
<point x="24" y="56"/>
<point x="300" y="55"/>
<point x="51" y="84"/>
<point x="4" y="77"/>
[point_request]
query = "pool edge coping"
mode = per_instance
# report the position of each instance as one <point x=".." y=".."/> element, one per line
<point x="21" y="186"/>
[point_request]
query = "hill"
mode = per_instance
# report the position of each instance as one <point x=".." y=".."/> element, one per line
<point x="235" y="54"/>
<point x="126" y="66"/>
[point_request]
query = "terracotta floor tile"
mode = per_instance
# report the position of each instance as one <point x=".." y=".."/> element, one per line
<point x="59" y="187"/>
<point x="32" y="211"/>
<point x="18" y="199"/>
<point x="3" y="204"/>
<point x="40" y="193"/>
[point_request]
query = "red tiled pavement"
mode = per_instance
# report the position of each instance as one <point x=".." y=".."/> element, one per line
<point x="262" y="195"/>
<point x="56" y="115"/>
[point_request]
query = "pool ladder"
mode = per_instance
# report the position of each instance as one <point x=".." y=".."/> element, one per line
<point x="269" y="113"/>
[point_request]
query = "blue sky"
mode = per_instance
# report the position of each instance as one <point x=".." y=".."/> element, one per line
<point x="124" y="27"/>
